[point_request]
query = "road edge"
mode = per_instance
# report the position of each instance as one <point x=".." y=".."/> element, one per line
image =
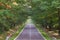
<point x="19" y="34"/>
<point x="41" y="34"/>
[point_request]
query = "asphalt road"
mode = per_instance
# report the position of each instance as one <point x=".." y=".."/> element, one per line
<point x="30" y="33"/>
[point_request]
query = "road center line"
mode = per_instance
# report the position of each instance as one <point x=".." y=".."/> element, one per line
<point x="30" y="32"/>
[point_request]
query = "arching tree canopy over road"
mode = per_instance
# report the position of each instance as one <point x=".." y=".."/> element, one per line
<point x="43" y="12"/>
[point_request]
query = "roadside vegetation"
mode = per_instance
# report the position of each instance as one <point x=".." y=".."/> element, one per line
<point x="43" y="12"/>
<point x="44" y="34"/>
<point x="47" y="14"/>
<point x="17" y="32"/>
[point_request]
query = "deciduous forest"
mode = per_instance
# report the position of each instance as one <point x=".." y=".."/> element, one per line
<point x="45" y="13"/>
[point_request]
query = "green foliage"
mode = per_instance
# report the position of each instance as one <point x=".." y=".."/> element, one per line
<point x="9" y="18"/>
<point x="46" y="12"/>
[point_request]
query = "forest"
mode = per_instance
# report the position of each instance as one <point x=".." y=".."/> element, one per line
<point x="44" y="12"/>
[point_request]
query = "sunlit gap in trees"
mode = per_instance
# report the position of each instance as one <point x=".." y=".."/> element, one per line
<point x="29" y="20"/>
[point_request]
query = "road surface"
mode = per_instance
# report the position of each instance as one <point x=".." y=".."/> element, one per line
<point x="30" y="33"/>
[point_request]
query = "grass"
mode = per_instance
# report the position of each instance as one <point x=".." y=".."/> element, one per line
<point x="15" y="34"/>
<point x="46" y="36"/>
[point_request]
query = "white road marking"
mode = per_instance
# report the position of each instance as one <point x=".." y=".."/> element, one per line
<point x="19" y="34"/>
<point x="41" y="34"/>
<point x="30" y="32"/>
